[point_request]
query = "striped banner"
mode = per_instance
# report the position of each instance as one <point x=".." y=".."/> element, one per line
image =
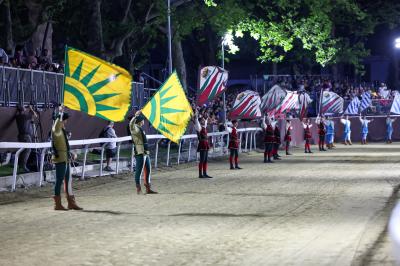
<point x="272" y="98"/>
<point x="291" y="102"/>
<point x="396" y="104"/>
<point x="213" y="81"/>
<point x="366" y="101"/>
<point x="352" y="108"/>
<point x="304" y="101"/>
<point x="331" y="103"/>
<point x="246" y="106"/>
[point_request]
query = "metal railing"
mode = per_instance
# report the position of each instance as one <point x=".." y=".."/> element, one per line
<point x="247" y="137"/>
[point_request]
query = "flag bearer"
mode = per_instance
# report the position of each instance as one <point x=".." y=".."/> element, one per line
<point x="268" y="139"/>
<point x="277" y="141"/>
<point x="233" y="144"/>
<point x="307" y="135"/>
<point x="320" y="121"/>
<point x="62" y="158"/>
<point x="347" y="130"/>
<point x="288" y="136"/>
<point x="203" y="146"/>
<point x="142" y="153"/>
<point x="330" y="132"/>
<point x="389" y="128"/>
<point x="364" y="128"/>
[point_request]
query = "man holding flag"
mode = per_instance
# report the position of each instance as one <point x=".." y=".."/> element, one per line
<point x="142" y="153"/>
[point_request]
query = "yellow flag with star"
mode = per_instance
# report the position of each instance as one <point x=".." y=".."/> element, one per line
<point x="169" y="110"/>
<point x="96" y="87"/>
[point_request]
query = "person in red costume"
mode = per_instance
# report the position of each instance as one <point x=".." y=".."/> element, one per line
<point x="233" y="144"/>
<point x="307" y="135"/>
<point x="203" y="146"/>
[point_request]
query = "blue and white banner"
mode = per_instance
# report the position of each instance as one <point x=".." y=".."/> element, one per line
<point x="366" y="101"/>
<point x="352" y="108"/>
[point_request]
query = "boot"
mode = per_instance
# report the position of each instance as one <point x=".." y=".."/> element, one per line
<point x="72" y="204"/>
<point x="138" y="189"/>
<point x="148" y="189"/>
<point x="238" y="167"/>
<point x="206" y="176"/>
<point x="57" y="204"/>
<point x="232" y="168"/>
<point x="201" y="174"/>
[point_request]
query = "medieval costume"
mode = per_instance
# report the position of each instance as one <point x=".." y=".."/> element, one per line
<point x="307" y="137"/>
<point x="233" y="145"/>
<point x="62" y="159"/>
<point x="203" y="145"/>
<point x="288" y="136"/>
<point x="142" y="154"/>
<point x="268" y="139"/>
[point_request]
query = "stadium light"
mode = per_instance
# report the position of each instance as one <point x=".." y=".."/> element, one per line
<point x="397" y="43"/>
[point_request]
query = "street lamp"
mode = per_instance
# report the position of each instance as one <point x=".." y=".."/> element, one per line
<point x="397" y="43"/>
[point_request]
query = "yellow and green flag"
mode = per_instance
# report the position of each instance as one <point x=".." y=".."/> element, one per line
<point x="169" y="110"/>
<point x="96" y="87"/>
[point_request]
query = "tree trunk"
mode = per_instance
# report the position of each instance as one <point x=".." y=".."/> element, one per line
<point x="9" y="44"/>
<point x="94" y="27"/>
<point x="179" y="61"/>
<point x="274" y="68"/>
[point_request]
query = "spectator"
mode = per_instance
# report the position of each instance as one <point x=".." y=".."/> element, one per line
<point x="45" y="59"/>
<point x="110" y="147"/>
<point x="24" y="119"/>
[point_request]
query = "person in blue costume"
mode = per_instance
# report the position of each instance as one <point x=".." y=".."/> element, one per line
<point x="364" y="129"/>
<point x="389" y="128"/>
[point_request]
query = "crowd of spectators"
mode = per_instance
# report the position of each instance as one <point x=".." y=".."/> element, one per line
<point x="30" y="60"/>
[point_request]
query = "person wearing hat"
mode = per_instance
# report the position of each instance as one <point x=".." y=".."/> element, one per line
<point x="307" y="135"/>
<point x="203" y="146"/>
<point x="142" y="153"/>
<point x="288" y="135"/>
<point x="233" y="144"/>
<point x="62" y="159"/>
<point x="268" y="139"/>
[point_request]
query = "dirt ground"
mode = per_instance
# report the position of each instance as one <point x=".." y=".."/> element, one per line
<point x="327" y="208"/>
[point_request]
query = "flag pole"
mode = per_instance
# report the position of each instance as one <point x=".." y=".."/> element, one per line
<point x="223" y="67"/>
<point x="169" y="39"/>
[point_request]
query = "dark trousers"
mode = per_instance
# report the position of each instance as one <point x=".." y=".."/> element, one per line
<point x="203" y="161"/>
<point x="234" y="155"/>
<point x="268" y="150"/>
<point x="143" y="167"/>
<point x="25" y="154"/>
<point x="63" y="174"/>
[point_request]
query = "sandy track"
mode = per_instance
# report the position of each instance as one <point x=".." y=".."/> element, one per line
<point x="321" y="209"/>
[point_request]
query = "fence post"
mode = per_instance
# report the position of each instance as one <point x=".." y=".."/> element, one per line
<point x="169" y="147"/>
<point x="102" y="158"/>
<point x="118" y="151"/>
<point x="15" y="170"/>
<point x="190" y="148"/>
<point x="240" y="141"/>
<point x="84" y="162"/>
<point x="42" y="154"/>
<point x="179" y="150"/>
<point x="156" y="157"/>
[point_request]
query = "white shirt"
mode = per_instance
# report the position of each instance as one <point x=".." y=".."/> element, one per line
<point x="305" y="125"/>
<point x="197" y="125"/>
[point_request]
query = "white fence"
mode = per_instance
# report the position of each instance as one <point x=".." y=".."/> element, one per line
<point x="248" y="135"/>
